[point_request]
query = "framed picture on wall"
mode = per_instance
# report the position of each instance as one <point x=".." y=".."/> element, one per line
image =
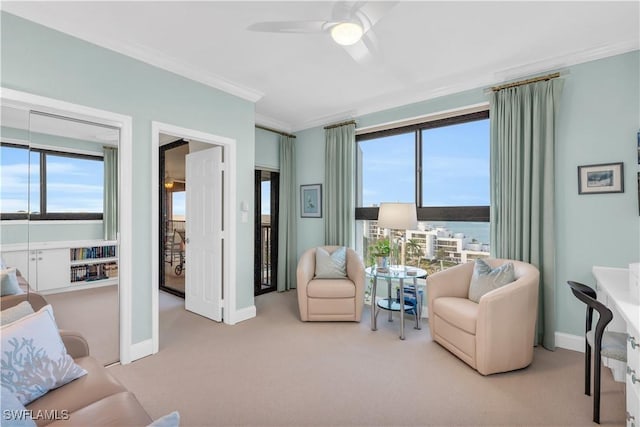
<point x="602" y="178"/>
<point x="311" y="201"/>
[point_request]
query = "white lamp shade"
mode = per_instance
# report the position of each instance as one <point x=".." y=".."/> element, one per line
<point x="398" y="216"/>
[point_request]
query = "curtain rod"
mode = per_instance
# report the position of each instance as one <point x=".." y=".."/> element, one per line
<point x="524" y="82"/>
<point x="337" y="125"/>
<point x="275" y="131"/>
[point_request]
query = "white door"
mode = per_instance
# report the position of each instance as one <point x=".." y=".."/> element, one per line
<point x="203" y="226"/>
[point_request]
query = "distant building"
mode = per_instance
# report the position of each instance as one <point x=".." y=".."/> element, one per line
<point x="456" y="247"/>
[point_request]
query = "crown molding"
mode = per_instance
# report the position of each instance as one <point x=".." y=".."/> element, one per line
<point x="473" y="80"/>
<point x="162" y="61"/>
<point x="563" y="61"/>
<point x="270" y="122"/>
<point x="327" y="120"/>
<point x="178" y="67"/>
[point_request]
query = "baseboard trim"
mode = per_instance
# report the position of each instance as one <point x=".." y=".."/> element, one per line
<point x="242" y="315"/>
<point x="141" y="349"/>
<point x="569" y="342"/>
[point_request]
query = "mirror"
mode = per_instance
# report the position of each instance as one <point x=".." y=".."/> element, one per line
<point x="59" y="206"/>
<point x="14" y="192"/>
<point x="73" y="245"/>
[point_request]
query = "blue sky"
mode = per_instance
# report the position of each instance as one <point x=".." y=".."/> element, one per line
<point x="179" y="203"/>
<point x="455" y="167"/>
<point x="74" y="185"/>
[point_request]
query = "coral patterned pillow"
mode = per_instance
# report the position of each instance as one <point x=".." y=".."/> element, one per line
<point x="34" y="358"/>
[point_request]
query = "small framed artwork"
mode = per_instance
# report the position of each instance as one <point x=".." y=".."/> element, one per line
<point x="602" y="178"/>
<point x="311" y="201"/>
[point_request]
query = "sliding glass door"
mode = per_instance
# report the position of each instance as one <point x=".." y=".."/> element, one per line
<point x="266" y="231"/>
<point x="172" y="216"/>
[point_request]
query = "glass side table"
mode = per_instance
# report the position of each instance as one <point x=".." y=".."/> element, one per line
<point x="399" y="272"/>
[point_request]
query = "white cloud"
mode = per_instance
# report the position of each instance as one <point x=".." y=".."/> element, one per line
<point x="73" y="188"/>
<point x="72" y="204"/>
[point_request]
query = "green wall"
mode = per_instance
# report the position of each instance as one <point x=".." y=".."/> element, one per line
<point x="599" y="119"/>
<point x="45" y="62"/>
<point x="267" y="149"/>
<point x="309" y="170"/>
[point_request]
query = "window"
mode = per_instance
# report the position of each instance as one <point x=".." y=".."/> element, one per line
<point x="50" y="184"/>
<point x="455" y="165"/>
<point x="387" y="169"/>
<point x="179" y="205"/>
<point x="443" y="167"/>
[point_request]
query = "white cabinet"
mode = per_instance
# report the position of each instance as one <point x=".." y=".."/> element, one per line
<point x="633" y="378"/>
<point x="613" y="289"/>
<point x="48" y="269"/>
<point x="51" y="267"/>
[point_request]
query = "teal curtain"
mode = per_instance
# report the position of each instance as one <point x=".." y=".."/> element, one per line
<point x="110" y="199"/>
<point x="287" y="246"/>
<point x="523" y="124"/>
<point x="339" y="197"/>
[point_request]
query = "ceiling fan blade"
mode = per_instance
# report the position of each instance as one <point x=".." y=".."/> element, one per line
<point x="366" y="12"/>
<point x="290" y="26"/>
<point x="371" y="12"/>
<point x="344" y="10"/>
<point x="365" y="51"/>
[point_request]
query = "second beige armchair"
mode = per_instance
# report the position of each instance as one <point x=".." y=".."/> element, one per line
<point x="332" y="299"/>
<point x="495" y="334"/>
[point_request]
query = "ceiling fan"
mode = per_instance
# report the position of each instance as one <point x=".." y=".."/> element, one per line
<point x="351" y="26"/>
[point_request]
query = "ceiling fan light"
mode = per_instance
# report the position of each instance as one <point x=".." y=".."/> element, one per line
<point x="346" y="33"/>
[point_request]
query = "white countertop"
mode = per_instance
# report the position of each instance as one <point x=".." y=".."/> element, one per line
<point x="615" y="283"/>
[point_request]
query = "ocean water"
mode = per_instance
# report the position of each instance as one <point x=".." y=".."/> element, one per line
<point x="473" y="230"/>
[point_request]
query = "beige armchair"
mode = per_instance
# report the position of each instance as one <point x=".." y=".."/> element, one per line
<point x="494" y="335"/>
<point x="330" y="299"/>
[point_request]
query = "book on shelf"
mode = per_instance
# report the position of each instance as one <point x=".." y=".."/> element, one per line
<point x="95" y="252"/>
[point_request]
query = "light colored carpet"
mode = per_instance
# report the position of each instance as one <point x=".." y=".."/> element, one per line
<point x="275" y="370"/>
<point x="95" y="314"/>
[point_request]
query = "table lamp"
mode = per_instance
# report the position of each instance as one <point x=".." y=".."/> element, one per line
<point x="398" y="216"/>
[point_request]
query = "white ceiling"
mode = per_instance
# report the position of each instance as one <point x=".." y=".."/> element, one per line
<point x="426" y="49"/>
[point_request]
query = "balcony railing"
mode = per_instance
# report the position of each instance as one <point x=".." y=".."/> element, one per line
<point x="265" y="267"/>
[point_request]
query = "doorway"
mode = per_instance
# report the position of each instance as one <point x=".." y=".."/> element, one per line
<point x="172" y="191"/>
<point x="265" y="269"/>
<point x="224" y="165"/>
<point x="191" y="230"/>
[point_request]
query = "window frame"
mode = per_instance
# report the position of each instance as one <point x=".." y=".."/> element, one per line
<point x="428" y="213"/>
<point x="43" y="215"/>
